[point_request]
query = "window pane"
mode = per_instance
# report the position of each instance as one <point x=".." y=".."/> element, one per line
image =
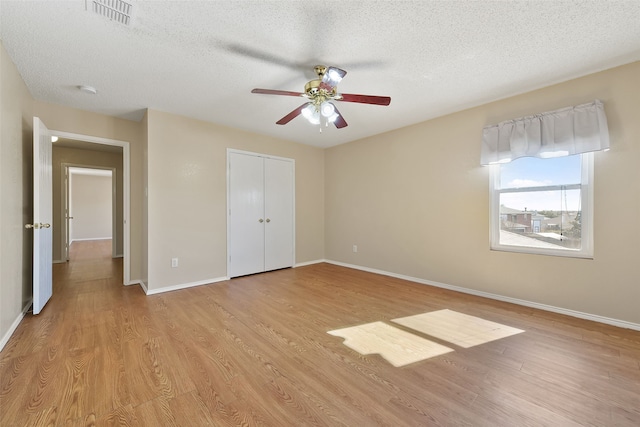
<point x="541" y="219"/>
<point x="533" y="211"/>
<point x="534" y="172"/>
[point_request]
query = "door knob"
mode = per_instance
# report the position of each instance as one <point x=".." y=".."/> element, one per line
<point x="37" y="226"/>
<point x="268" y="220"/>
<point x="261" y="220"/>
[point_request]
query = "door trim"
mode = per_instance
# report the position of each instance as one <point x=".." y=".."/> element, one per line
<point x="264" y="156"/>
<point x="126" y="191"/>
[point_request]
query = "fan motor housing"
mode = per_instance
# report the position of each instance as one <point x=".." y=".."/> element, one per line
<point x="313" y="89"/>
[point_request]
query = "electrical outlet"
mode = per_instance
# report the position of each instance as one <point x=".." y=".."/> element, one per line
<point x="355" y="248"/>
<point x="174" y="262"/>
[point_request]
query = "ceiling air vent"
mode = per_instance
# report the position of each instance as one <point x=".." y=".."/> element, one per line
<point x="116" y="10"/>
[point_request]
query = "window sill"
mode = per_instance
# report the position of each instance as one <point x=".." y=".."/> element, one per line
<point x="567" y="253"/>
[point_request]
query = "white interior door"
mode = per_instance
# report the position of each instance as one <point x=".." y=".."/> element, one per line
<point x="42" y="216"/>
<point x="279" y="213"/>
<point x="246" y="214"/>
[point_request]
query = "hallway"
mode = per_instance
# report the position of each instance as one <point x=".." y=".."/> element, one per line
<point x="89" y="261"/>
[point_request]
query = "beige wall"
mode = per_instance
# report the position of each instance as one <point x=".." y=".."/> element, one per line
<point x="416" y="202"/>
<point x="81" y="157"/>
<point x="16" y="206"/>
<point x="91" y="206"/>
<point x="65" y="119"/>
<point x="187" y="196"/>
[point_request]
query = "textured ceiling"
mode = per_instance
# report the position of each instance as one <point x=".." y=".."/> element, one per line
<point x="201" y="59"/>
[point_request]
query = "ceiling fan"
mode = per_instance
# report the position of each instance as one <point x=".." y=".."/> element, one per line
<point x="321" y="93"/>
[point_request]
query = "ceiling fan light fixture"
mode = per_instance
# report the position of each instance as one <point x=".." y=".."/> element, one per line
<point x="308" y="110"/>
<point x="327" y="109"/>
<point x="333" y="76"/>
<point x="311" y="114"/>
<point x="314" y="119"/>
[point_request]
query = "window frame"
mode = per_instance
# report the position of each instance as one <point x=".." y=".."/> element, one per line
<point x="586" y="195"/>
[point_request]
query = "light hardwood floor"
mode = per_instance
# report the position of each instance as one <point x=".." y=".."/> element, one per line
<point x="255" y="351"/>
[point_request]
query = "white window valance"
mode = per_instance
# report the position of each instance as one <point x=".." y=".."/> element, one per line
<point x="571" y="130"/>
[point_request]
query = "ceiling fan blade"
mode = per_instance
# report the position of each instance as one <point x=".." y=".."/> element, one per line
<point x="332" y="76"/>
<point x="365" y="99"/>
<point x="292" y="115"/>
<point x="340" y="122"/>
<point x="277" y="92"/>
<point x="270" y="58"/>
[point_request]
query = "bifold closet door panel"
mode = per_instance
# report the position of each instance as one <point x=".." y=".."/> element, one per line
<point x="246" y="218"/>
<point x="279" y="213"/>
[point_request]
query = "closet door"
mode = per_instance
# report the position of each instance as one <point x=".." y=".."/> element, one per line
<point x="246" y="214"/>
<point x="279" y="213"/>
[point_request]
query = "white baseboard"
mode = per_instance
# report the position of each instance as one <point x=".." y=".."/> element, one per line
<point x="142" y="285"/>
<point x="182" y="286"/>
<point x="90" y="238"/>
<point x="545" y="307"/>
<point x="135" y="282"/>
<point x="14" y="325"/>
<point x="302" y="264"/>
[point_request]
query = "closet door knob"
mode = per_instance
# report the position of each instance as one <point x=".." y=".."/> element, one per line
<point x="261" y="220"/>
<point x="268" y="220"/>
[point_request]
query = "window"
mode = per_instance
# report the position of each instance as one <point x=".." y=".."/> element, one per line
<point x="543" y="205"/>
<point x="542" y="180"/>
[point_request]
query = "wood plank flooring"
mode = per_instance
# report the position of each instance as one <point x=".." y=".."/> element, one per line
<point x="255" y="351"/>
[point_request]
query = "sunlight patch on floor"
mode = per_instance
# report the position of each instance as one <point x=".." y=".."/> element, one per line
<point x="457" y="328"/>
<point x="398" y="347"/>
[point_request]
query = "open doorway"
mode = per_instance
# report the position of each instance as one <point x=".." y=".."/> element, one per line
<point x="98" y="154"/>
<point x="90" y="207"/>
<point x="102" y="214"/>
